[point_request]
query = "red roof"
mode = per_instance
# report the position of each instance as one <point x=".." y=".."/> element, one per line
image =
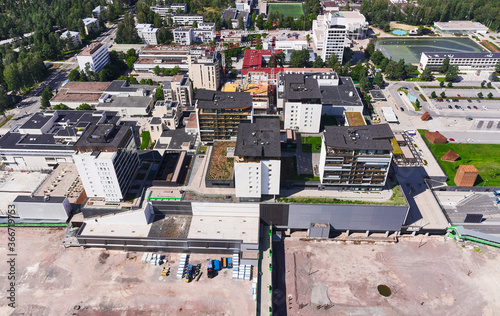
<point x="252" y="60"/>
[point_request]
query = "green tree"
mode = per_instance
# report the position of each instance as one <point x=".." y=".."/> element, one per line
<point x="444" y="67"/>
<point x="364" y="84"/>
<point x="46" y="96"/>
<point x="280" y="59"/>
<point x="490" y="95"/>
<point x="84" y="107"/>
<point x="370" y="49"/>
<point x="451" y="73"/>
<point x="450" y="84"/>
<point x="194" y="25"/>
<point x="318" y="62"/>
<point x="497" y="67"/>
<point x="426" y="75"/>
<point x="443" y="95"/>
<point x="379" y="79"/>
<point x="74" y="75"/>
<point x="441" y="84"/>
<point x="157" y="70"/>
<point x="259" y="46"/>
<point x="489" y="85"/>
<point x="130" y="61"/>
<point x="377" y="57"/>
<point x="159" y="94"/>
<point x="260" y="22"/>
<point x="433" y="94"/>
<point x="299" y="58"/>
<point x="241" y="23"/>
<point x="480" y="95"/>
<point x="483" y="84"/>
<point x="60" y="106"/>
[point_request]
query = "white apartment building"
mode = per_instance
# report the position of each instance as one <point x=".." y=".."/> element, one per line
<point x="179" y="89"/>
<point x="106" y="159"/>
<point x="74" y="37"/>
<point x="329" y="34"/>
<point x="188" y="19"/>
<point x="90" y="25"/>
<point x="183" y="36"/>
<point x="96" y="55"/>
<point x="205" y="33"/>
<point x="204" y="70"/>
<point x="464" y="61"/>
<point x="171" y="9"/>
<point x="147" y="33"/>
<point x="304" y="118"/>
<point x="257" y="165"/>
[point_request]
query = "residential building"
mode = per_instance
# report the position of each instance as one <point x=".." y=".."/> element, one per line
<point x="460" y="27"/>
<point x="329" y="34"/>
<point x="166" y="115"/>
<point x="47" y="138"/>
<point x="188" y="19"/>
<point x="244" y="5"/>
<point x="72" y="37"/>
<point x="147" y="33"/>
<point x="234" y="15"/>
<point x="305" y="97"/>
<point x="106" y="159"/>
<point x="170" y="9"/>
<point x="220" y="113"/>
<point x="97" y="11"/>
<point x="354" y="21"/>
<point x="257" y="164"/>
<point x="73" y="93"/>
<point x="464" y="61"/>
<point x="204" y="33"/>
<point x="96" y="55"/>
<point x="128" y="100"/>
<point x="179" y="89"/>
<point x="260" y="92"/>
<point x="90" y="25"/>
<point x="231" y="36"/>
<point x="204" y="70"/>
<point x="356" y="157"/>
<point x="183" y="36"/>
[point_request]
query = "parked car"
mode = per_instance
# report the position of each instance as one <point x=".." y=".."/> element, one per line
<point x="457" y="107"/>
<point x="451" y="139"/>
<point x="402" y="110"/>
<point x="469" y="107"/>
<point x="469" y="100"/>
<point x="475" y="107"/>
<point x="449" y="106"/>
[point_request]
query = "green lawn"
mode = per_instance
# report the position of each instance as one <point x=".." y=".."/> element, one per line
<point x="146" y="138"/>
<point x="311" y="144"/>
<point x="483" y="156"/>
<point x="294" y="10"/>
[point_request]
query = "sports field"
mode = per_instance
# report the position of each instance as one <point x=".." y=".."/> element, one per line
<point x="294" y="10"/>
<point x="483" y="156"/>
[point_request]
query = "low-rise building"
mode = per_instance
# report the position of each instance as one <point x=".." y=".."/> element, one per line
<point x="106" y="159"/>
<point x="147" y="33"/>
<point x="97" y="11"/>
<point x="163" y="56"/>
<point x="460" y="27"/>
<point x="73" y="38"/>
<point x="464" y="61"/>
<point x="188" y="19"/>
<point x="183" y="36"/>
<point x="220" y="113"/>
<point x="257" y="164"/>
<point x="356" y="157"/>
<point x="96" y="56"/>
<point x="47" y="208"/>
<point x="244" y="5"/>
<point x="234" y="15"/>
<point x="73" y="94"/>
<point x="90" y="25"/>
<point x="169" y="9"/>
<point x="204" y="33"/>
<point x="204" y="70"/>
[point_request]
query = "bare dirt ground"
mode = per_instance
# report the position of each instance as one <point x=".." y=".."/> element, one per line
<point x="437" y="278"/>
<point x="406" y="27"/>
<point x="53" y="280"/>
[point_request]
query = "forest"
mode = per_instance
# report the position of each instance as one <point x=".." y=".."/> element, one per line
<point x="380" y="12"/>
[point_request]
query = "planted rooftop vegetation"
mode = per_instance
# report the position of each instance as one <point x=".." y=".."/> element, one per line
<point x="221" y="166"/>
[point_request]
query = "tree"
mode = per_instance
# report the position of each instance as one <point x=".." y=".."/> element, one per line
<point x="483" y="84"/>
<point x="318" y="62"/>
<point x="84" y="107"/>
<point x="377" y="57"/>
<point x="441" y="84"/>
<point x="60" y="106"/>
<point x="46" y="96"/>
<point x="241" y="23"/>
<point x="490" y="95"/>
<point x="480" y="95"/>
<point x="364" y="84"/>
<point x="130" y="61"/>
<point x="443" y="94"/>
<point x="433" y="94"/>
<point x="250" y="37"/>
<point x="451" y="73"/>
<point x="157" y="70"/>
<point x="74" y="75"/>
<point x="280" y="59"/>
<point x="426" y="75"/>
<point x="194" y="25"/>
<point x="259" y="46"/>
<point x="347" y="54"/>
<point x="379" y="79"/>
<point x="370" y="49"/>
<point x="446" y="63"/>
<point x="299" y="58"/>
<point x="489" y="85"/>
<point x="159" y="94"/>
<point x="450" y="84"/>
<point x="260" y="22"/>
<point x="497" y="67"/>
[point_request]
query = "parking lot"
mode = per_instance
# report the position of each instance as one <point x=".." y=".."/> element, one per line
<point x="52" y="280"/>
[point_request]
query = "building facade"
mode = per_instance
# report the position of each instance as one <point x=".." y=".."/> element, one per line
<point x="460" y="27"/>
<point x="72" y="37"/>
<point x="356" y="157"/>
<point x="179" y="89"/>
<point x="188" y="19"/>
<point x="462" y="60"/>
<point x="183" y="36"/>
<point x="170" y="9"/>
<point x="90" y="25"/>
<point x="204" y="33"/>
<point x="147" y="33"/>
<point x="106" y="159"/>
<point x="96" y="55"/>
<point x="204" y="70"/>
<point x="329" y="35"/>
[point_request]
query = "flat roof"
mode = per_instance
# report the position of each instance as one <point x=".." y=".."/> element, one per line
<point x="91" y="49"/>
<point x="355" y="118"/>
<point x="225" y="227"/>
<point x="481" y="55"/>
<point x="126" y="102"/>
<point x="259" y="139"/>
<point x="108" y="135"/>
<point x="345" y="94"/>
<point x="374" y="137"/>
<point x="209" y="99"/>
<point x="93" y="228"/>
<point x="86" y="86"/>
<point x="40" y="199"/>
<point x="177" y="138"/>
<point x="460" y="25"/>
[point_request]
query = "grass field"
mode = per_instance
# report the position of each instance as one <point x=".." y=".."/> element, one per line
<point x="311" y="144"/>
<point x="294" y="10"/>
<point x="483" y="156"/>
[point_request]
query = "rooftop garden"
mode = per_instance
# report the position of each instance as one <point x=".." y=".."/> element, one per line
<point x="221" y="167"/>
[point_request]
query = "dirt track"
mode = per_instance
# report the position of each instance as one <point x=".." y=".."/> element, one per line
<point x="53" y="280"/>
<point x="439" y="278"/>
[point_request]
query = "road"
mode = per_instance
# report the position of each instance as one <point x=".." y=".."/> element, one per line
<point x="31" y="103"/>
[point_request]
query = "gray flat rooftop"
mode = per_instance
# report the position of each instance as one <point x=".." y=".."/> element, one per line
<point x="259" y="139"/>
<point x="178" y="137"/>
<point x="126" y="102"/>
<point x="368" y="137"/>
<point x="208" y="99"/>
<point x="40" y="199"/>
<point x="345" y="94"/>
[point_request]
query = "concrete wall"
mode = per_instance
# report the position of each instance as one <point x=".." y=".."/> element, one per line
<point x="225" y="209"/>
<point x="44" y="210"/>
<point x="134" y="217"/>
